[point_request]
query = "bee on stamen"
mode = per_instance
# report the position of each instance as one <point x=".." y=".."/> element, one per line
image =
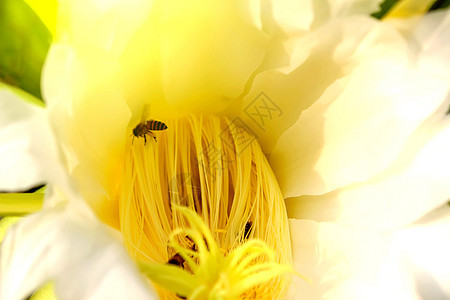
<point x="145" y="128"/>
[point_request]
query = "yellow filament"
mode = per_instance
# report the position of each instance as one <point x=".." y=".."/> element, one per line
<point x="213" y="166"/>
<point x="216" y="276"/>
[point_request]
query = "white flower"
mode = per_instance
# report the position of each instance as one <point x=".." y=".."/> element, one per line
<point x="351" y="112"/>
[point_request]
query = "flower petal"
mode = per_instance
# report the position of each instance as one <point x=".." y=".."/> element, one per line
<point x="29" y="152"/>
<point x="432" y="33"/>
<point x="415" y="185"/>
<point x="21" y="169"/>
<point x="278" y="96"/>
<point x="112" y="59"/>
<point x="296" y="16"/>
<point x="424" y="249"/>
<point x="207" y="67"/>
<point x="336" y="260"/>
<point x="76" y="252"/>
<point x="351" y="263"/>
<point x="384" y="95"/>
<point x="78" y="96"/>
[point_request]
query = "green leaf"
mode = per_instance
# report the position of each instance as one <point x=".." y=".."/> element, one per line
<point x="385" y="7"/>
<point x="388" y="4"/>
<point x="24" y="43"/>
<point x="440" y="4"/>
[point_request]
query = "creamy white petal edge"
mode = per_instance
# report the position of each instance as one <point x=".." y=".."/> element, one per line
<point x="28" y="148"/>
<point x="415" y="185"/>
<point x="363" y="121"/>
<point x="65" y="243"/>
<point x="20" y="169"/>
<point x="353" y="263"/>
<point x="75" y="251"/>
<point x="304" y="15"/>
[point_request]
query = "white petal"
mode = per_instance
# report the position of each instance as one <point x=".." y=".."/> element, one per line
<point x="20" y="167"/>
<point x="297" y="16"/>
<point x="342" y="263"/>
<point x="29" y="154"/>
<point x="350" y="263"/>
<point x="425" y="249"/>
<point x="278" y="96"/>
<point x="77" y="253"/>
<point x="361" y="123"/>
<point x="106" y="25"/>
<point x="415" y="185"/>
<point x="433" y="35"/>
<point x="79" y="93"/>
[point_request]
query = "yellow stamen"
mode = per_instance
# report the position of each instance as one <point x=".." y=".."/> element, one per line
<point x="215" y="276"/>
<point x="215" y="167"/>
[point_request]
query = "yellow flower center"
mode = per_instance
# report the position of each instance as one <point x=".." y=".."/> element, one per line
<point x="214" y="167"/>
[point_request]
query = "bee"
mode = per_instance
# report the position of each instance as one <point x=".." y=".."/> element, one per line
<point x="248" y="229"/>
<point x="145" y="128"/>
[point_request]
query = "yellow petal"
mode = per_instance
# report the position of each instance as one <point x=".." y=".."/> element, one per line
<point x="89" y="115"/>
<point x="209" y="50"/>
<point x="175" y="58"/>
<point x="112" y="59"/>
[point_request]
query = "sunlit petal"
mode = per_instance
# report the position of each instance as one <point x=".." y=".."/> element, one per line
<point x="278" y="96"/>
<point x="342" y="263"/>
<point x="211" y="62"/>
<point x="75" y="251"/>
<point x="297" y="16"/>
<point x="20" y="167"/>
<point x="415" y="185"/>
<point x="332" y="143"/>
<point x="353" y="263"/>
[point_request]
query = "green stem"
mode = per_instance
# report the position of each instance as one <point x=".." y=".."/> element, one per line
<point x="16" y="204"/>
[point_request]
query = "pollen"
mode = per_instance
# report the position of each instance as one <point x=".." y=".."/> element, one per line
<point x="205" y="197"/>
